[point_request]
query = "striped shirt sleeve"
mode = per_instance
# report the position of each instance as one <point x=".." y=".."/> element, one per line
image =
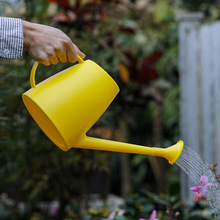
<point x="11" y="38"/>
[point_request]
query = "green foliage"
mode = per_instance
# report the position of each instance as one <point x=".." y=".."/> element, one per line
<point x="30" y="163"/>
<point x="141" y="205"/>
<point x="36" y="10"/>
<point x="162" y="11"/>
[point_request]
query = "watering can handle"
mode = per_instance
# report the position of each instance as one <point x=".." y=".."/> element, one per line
<point x="33" y="70"/>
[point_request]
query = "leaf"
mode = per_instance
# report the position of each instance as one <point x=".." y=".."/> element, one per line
<point x="162" y="11"/>
<point x="87" y="217"/>
<point x="28" y="183"/>
<point x="120" y="217"/>
<point x="137" y="159"/>
<point x="124" y="72"/>
<point x="148" y="71"/>
<point x="149" y="207"/>
<point x="63" y="3"/>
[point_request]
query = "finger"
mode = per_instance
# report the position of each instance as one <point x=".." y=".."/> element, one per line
<point x="62" y="56"/>
<point x="45" y="62"/>
<point x="54" y="60"/>
<point x="43" y="58"/>
<point x="78" y="51"/>
<point x="71" y="54"/>
<point x="39" y="56"/>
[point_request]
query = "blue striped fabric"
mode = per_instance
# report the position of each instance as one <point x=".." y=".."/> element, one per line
<point x="11" y="38"/>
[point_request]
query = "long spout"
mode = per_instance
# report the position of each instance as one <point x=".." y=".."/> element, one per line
<point x="171" y="153"/>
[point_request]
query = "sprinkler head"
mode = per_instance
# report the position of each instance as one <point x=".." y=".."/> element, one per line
<point x="173" y="152"/>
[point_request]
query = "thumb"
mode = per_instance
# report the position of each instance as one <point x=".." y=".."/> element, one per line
<point x="78" y="51"/>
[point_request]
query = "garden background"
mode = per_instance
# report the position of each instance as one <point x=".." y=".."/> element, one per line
<point x="135" y="41"/>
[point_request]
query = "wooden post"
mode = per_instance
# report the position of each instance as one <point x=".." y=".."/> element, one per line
<point x="190" y="94"/>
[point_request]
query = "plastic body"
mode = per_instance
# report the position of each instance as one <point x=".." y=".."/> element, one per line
<point x="67" y="105"/>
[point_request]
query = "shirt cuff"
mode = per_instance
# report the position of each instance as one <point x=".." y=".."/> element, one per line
<point x="11" y="38"/>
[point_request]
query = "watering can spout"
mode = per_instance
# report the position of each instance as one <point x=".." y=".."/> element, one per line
<point x="171" y="153"/>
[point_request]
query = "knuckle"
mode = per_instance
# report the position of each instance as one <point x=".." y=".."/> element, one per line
<point x="66" y="41"/>
<point x="50" y="52"/>
<point x="58" y="46"/>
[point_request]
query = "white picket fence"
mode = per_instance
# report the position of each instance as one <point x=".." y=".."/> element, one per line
<point x="199" y="67"/>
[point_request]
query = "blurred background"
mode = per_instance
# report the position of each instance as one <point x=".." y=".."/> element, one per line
<point x="135" y="41"/>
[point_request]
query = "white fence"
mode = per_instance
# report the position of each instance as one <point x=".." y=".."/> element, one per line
<point x="199" y="66"/>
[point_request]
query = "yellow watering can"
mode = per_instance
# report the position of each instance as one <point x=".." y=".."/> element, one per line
<point x="67" y="105"/>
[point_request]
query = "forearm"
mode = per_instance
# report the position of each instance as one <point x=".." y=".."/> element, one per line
<point x="11" y="38"/>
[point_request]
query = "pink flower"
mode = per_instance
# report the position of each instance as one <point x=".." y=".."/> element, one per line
<point x="203" y="187"/>
<point x="114" y="213"/>
<point x="197" y="196"/>
<point x="121" y="212"/>
<point x="195" y="188"/>
<point x="152" y="217"/>
<point x="213" y="166"/>
<point x="55" y="211"/>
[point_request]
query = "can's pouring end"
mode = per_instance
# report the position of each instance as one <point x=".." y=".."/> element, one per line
<point x="171" y="153"/>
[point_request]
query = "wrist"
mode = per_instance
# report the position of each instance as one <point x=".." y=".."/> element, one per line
<point x="27" y="30"/>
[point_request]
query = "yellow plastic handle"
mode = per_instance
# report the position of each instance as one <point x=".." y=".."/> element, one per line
<point x="33" y="70"/>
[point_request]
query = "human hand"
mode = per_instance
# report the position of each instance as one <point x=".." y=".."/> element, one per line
<point x="49" y="45"/>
